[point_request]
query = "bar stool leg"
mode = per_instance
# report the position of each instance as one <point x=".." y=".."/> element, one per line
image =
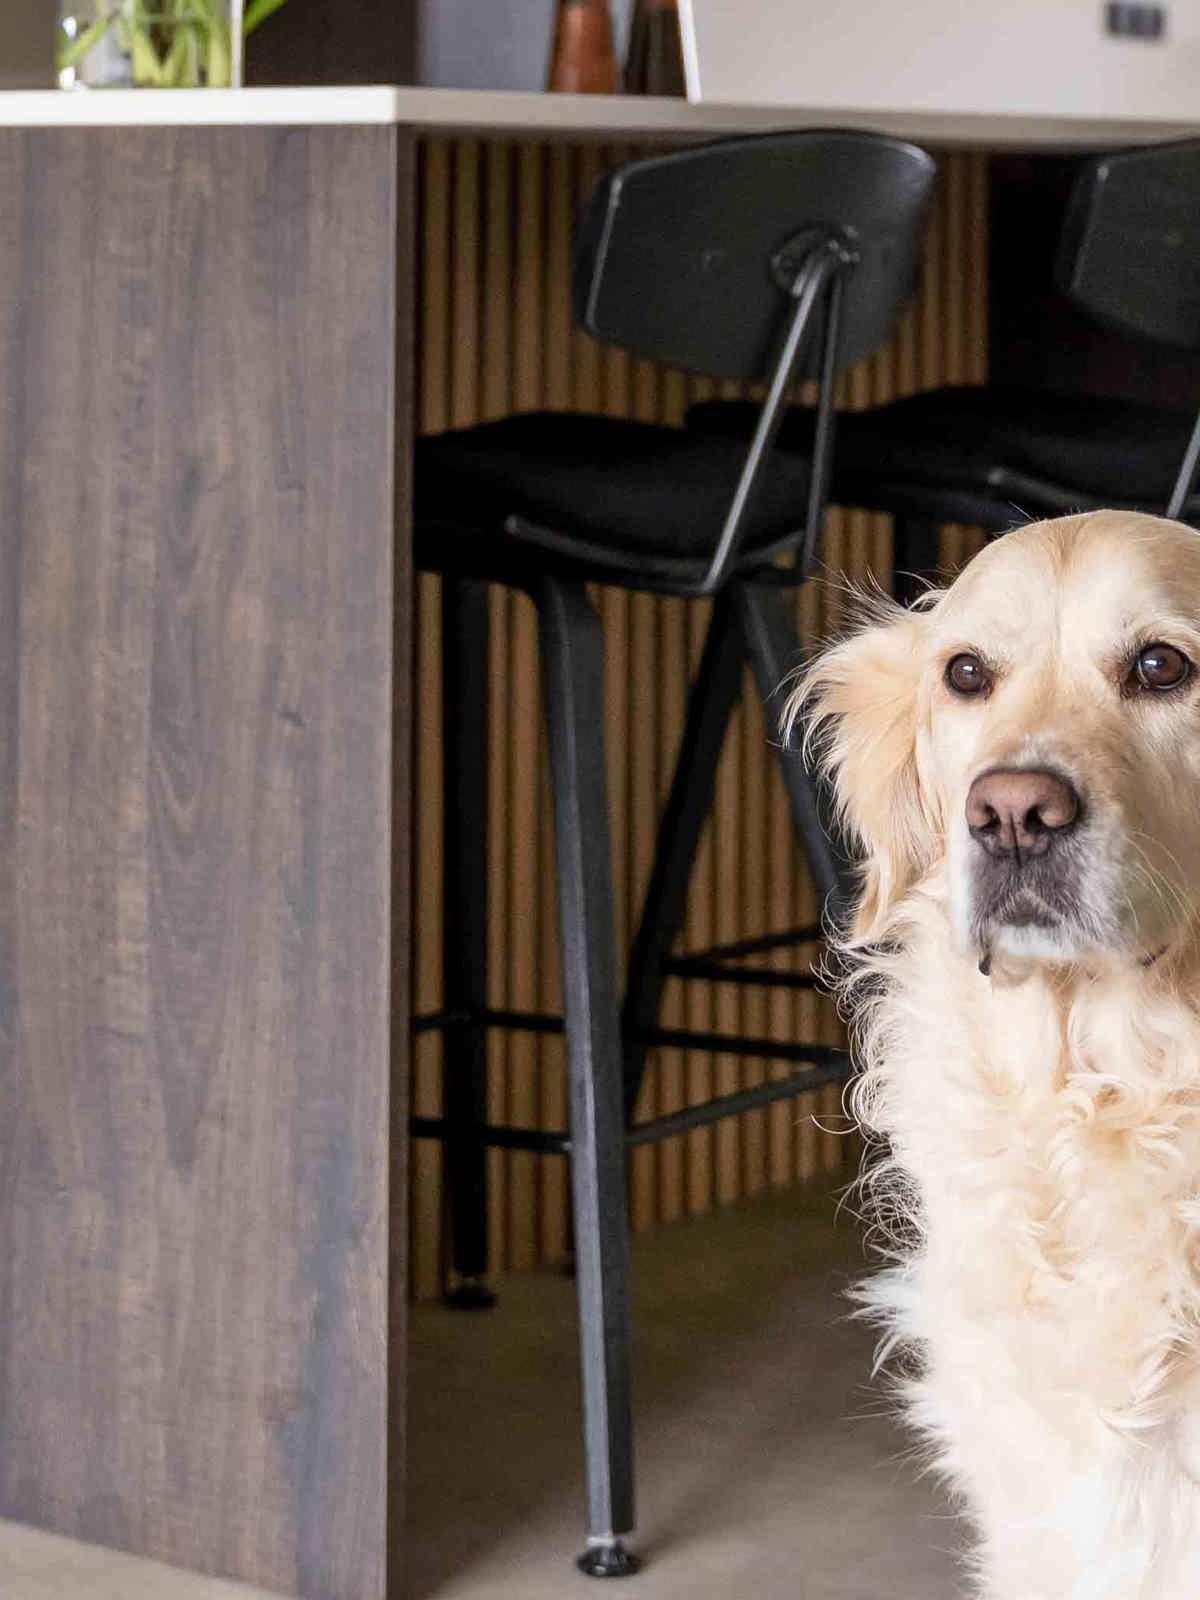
<point x="572" y="647"/>
<point x="711" y="700"/>
<point x="916" y="555"/>
<point x="465" y="668"/>
<point x="775" y="652"/>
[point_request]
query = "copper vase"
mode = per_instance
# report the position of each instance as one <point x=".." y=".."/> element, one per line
<point x="583" y="59"/>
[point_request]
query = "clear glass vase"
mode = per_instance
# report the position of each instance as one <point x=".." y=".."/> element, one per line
<point x="152" y="44"/>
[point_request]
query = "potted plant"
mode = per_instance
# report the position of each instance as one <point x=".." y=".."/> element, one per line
<point x="163" y="44"/>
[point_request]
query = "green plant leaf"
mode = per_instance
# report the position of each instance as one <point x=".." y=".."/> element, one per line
<point x="182" y="66"/>
<point x="256" y="13"/>
<point x="174" y="63"/>
<point x="147" y="68"/>
<point x="219" y="66"/>
<point x="71" y="51"/>
<point x="171" y="43"/>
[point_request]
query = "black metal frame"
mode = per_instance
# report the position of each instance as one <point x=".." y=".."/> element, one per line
<point x="1187" y="473"/>
<point x="820" y="271"/>
<point x="607" y="1042"/>
<point x="749" y="624"/>
<point x="573" y="675"/>
<point x="744" y="304"/>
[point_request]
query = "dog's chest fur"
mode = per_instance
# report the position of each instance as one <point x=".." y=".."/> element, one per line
<point x="1046" y="1150"/>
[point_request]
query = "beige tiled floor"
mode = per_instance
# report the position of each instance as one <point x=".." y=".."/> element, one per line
<point x="38" y="1566"/>
<point x="767" y="1470"/>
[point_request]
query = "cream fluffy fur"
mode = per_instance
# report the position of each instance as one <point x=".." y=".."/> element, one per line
<point x="1036" y="1179"/>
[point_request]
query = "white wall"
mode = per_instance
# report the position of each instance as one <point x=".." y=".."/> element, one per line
<point x="1003" y="56"/>
<point x="494" y="44"/>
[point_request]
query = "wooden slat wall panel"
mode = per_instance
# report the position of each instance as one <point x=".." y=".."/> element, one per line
<point x="496" y="336"/>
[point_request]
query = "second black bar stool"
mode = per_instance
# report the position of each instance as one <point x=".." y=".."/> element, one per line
<point x="998" y="455"/>
<point x="759" y="260"/>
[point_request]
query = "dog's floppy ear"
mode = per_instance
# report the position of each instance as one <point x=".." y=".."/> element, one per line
<point x="859" y="704"/>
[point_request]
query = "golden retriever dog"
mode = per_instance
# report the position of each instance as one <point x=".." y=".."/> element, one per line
<point x="1018" y="759"/>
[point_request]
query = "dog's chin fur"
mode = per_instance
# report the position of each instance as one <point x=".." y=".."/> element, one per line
<point x="1034" y="1167"/>
<point x="1034" y="944"/>
<point x="1025" y="948"/>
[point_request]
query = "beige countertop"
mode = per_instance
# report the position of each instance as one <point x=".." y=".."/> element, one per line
<point x="556" y="116"/>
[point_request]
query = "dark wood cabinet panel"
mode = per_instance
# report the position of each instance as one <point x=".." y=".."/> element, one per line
<point x="203" y="415"/>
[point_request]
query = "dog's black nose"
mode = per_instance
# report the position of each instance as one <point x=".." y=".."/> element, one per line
<point x="1012" y="812"/>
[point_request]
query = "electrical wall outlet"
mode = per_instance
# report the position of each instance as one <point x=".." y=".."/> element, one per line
<point x="1126" y="19"/>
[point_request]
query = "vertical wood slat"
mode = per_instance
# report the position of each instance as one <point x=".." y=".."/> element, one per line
<point x="530" y="899"/>
<point x="494" y="340"/>
<point x="699" y="999"/>
<point x="671" y="1072"/>
<point x="497" y="337"/>
<point x="554" y="1215"/>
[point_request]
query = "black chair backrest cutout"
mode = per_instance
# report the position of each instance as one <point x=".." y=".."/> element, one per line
<point x="1129" y="252"/>
<point x="674" y="254"/>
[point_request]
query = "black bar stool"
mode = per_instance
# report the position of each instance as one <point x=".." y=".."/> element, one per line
<point x="999" y="456"/>
<point x="766" y="259"/>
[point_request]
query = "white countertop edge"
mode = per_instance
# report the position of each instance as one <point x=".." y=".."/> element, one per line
<point x="504" y="112"/>
<point x="122" y="108"/>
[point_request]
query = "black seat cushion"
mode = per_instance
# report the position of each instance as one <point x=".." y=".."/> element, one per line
<point x="599" y="491"/>
<point x="957" y="437"/>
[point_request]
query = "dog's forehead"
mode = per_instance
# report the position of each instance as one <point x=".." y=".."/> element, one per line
<point x="1077" y="578"/>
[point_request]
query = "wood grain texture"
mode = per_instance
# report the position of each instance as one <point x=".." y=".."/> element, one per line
<point x="201" y="1239"/>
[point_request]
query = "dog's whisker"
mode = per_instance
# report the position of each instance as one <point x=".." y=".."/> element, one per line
<point x="1159" y="878"/>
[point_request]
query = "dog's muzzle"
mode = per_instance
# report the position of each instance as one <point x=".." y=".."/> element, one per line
<point x="1022" y="822"/>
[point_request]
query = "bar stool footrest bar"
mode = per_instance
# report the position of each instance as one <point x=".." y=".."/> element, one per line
<point x="697" y="967"/>
<point x="728" y="1105"/>
<point x="540" y="1141"/>
<point x="760" y="944"/>
<point x="439" y="1021"/>
<point x="733" y="1044"/>
<point x="832" y="1067"/>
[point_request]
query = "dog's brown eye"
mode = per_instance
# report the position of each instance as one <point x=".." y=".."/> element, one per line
<point x="967" y="675"/>
<point x="1161" y="666"/>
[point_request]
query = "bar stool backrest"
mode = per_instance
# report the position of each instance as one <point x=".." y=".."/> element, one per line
<point x="678" y="256"/>
<point x="761" y="260"/>
<point x="1130" y="255"/>
<point x="1129" y="252"/>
